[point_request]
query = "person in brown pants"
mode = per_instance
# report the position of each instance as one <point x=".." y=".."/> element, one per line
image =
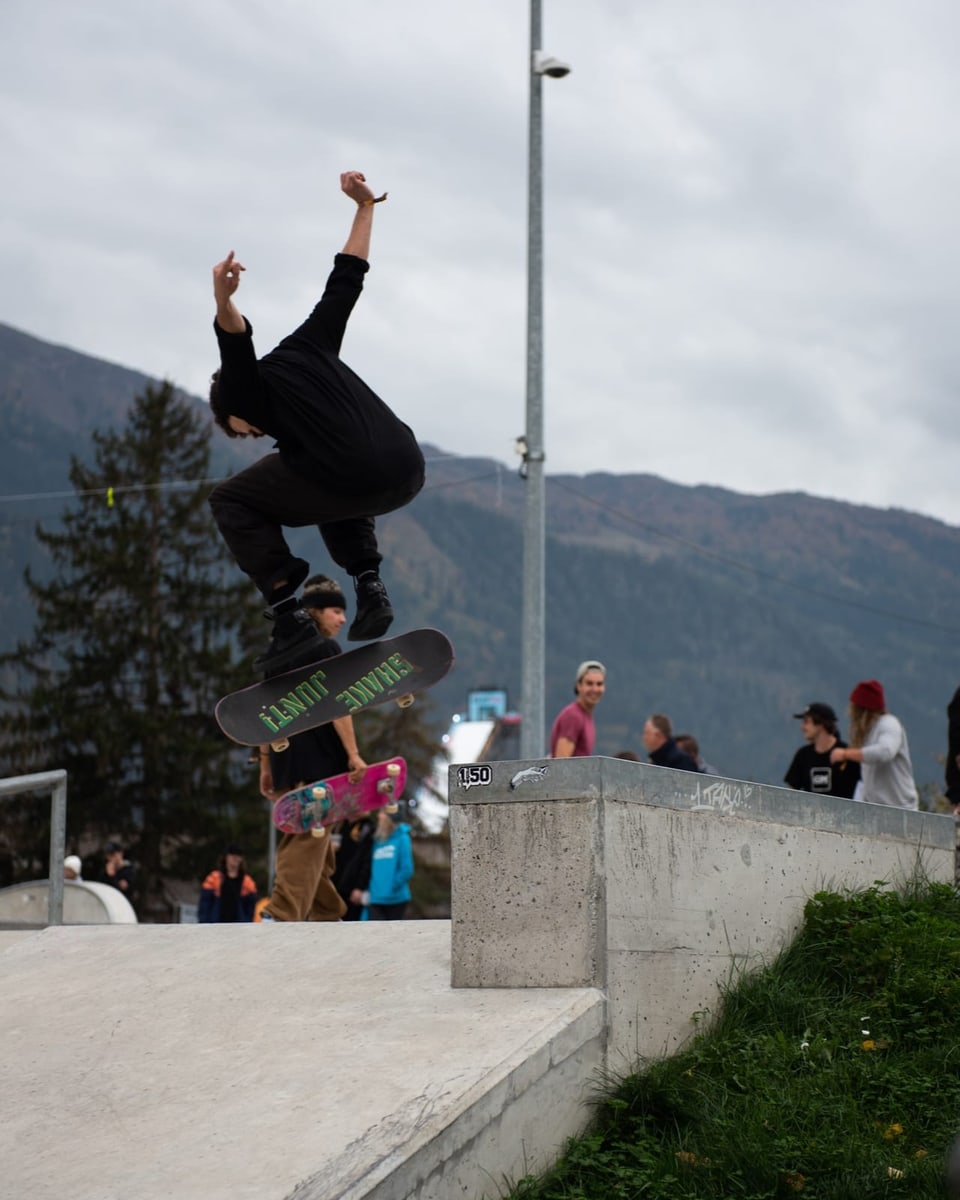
<point x="303" y="889"/>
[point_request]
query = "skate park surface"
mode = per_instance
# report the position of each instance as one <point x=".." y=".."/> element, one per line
<point x="597" y="904"/>
<point x="261" y="1062"/>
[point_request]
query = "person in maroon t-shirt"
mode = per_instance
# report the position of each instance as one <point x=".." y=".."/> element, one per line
<point x="574" y="734"/>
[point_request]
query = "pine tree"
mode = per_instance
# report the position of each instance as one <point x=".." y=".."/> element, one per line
<point x="142" y="626"/>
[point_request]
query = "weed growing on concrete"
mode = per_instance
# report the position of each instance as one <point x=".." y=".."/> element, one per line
<point x="833" y="1074"/>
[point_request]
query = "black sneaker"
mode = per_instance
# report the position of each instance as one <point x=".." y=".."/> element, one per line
<point x="294" y="632"/>
<point x="374" y="614"/>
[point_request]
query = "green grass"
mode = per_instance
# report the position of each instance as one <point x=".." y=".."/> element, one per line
<point x="833" y="1074"/>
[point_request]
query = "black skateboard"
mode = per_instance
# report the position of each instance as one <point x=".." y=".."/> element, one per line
<point x="279" y="708"/>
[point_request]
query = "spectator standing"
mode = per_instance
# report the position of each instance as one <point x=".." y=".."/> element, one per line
<point x="391" y="866"/>
<point x="73" y="868"/>
<point x="574" y="733"/>
<point x="952" y="772"/>
<point x="228" y="894"/>
<point x="354" y="845"/>
<point x="878" y="742"/>
<point x="811" y="769"/>
<point x="662" y="747"/>
<point x="117" y="870"/>
<point x="689" y="745"/>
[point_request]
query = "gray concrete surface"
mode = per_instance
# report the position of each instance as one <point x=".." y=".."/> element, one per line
<point x="278" y="1062"/>
<point x="653" y="885"/>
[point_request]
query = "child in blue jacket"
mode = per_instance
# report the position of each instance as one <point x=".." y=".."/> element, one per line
<point x="391" y="867"/>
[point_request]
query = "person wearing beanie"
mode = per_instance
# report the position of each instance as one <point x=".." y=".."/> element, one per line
<point x="342" y="456"/>
<point x="73" y="868"/>
<point x="878" y="742"/>
<point x="303" y="888"/>
<point x="574" y="734"/>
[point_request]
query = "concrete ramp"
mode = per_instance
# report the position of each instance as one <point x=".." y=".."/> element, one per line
<point x="83" y="904"/>
<point x="279" y="1062"/>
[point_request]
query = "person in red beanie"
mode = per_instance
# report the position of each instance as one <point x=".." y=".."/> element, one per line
<point x="879" y="742"/>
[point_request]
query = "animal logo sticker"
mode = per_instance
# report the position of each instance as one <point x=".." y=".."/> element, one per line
<point x="529" y="775"/>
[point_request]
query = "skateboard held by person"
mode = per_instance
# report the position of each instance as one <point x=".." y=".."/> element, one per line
<point x="310" y="809"/>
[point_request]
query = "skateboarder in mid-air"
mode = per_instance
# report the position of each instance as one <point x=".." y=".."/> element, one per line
<point x="342" y="457"/>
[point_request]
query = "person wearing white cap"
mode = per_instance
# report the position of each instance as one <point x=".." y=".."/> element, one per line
<point x="574" y="733"/>
<point x="73" y="867"/>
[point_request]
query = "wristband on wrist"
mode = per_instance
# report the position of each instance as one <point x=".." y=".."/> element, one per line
<point x="375" y="200"/>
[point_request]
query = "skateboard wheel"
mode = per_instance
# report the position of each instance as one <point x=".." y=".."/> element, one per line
<point x="318" y="793"/>
<point x="393" y="770"/>
<point x="280" y="746"/>
<point x="405" y="701"/>
<point x="320" y="831"/>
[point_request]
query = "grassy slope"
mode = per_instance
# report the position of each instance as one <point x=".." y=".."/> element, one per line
<point x="833" y="1074"/>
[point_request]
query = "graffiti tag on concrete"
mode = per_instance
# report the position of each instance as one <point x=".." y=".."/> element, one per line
<point x="723" y="796"/>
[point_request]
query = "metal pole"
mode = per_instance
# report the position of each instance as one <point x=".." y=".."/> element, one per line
<point x="56" y="781"/>
<point x="58" y="846"/>
<point x="534" y="593"/>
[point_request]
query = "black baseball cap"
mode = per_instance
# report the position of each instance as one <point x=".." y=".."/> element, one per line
<point x="819" y="712"/>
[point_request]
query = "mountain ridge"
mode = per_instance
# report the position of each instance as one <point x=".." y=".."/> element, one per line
<point x="728" y="610"/>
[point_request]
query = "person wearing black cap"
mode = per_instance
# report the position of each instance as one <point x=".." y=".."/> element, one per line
<point x="812" y="769"/>
<point x="303" y="889"/>
<point x="343" y="457"/>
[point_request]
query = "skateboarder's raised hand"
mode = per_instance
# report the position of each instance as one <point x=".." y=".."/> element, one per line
<point x="226" y="280"/>
<point x="354" y="185"/>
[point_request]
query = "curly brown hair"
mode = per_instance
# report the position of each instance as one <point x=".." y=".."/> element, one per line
<point x="219" y="408"/>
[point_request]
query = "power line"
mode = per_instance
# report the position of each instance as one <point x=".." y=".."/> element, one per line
<point x="115" y="490"/>
<point x="760" y="572"/>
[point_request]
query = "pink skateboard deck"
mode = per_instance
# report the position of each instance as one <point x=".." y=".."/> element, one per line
<point x="312" y="808"/>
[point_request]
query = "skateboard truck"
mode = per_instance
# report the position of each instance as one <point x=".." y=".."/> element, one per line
<point x="387" y="786"/>
<point x="319" y="793"/>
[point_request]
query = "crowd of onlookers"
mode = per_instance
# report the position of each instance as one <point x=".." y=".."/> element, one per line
<point x="874" y="766"/>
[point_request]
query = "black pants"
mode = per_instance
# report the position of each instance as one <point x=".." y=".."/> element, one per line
<point x="252" y="507"/>
<point x="387" y="912"/>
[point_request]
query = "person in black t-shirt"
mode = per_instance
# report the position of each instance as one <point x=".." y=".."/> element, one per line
<point x="811" y="769"/>
<point x="303" y="889"/>
<point x="343" y="457"/>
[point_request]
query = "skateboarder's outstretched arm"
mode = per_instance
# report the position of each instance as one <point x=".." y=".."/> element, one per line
<point x="326" y="325"/>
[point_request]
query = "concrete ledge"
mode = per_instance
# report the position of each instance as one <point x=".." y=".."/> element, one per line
<point x="653" y="885"/>
<point x="273" y="1062"/>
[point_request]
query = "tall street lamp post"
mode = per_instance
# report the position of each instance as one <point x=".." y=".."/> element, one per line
<point x="534" y="526"/>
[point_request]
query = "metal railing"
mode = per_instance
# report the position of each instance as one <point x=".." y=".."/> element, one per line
<point x="56" y="783"/>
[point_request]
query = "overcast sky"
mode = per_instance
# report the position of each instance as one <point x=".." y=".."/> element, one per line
<point x="750" y="210"/>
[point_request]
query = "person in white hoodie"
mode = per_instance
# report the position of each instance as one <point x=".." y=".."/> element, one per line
<point x="879" y="742"/>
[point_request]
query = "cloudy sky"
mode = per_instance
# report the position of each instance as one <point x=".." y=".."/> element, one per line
<point x="751" y="217"/>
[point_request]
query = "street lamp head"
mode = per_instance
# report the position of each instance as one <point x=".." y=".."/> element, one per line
<point x="545" y="64"/>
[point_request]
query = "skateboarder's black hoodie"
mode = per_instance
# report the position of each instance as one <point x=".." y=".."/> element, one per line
<point x="330" y="427"/>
